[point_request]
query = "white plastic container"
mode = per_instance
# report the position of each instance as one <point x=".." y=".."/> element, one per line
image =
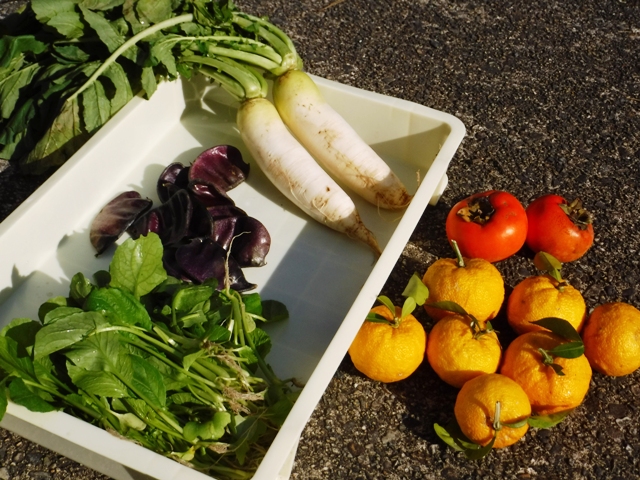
<point x="327" y="281"/>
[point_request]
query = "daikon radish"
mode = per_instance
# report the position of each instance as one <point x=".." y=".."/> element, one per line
<point x="295" y="173"/>
<point x="334" y="143"/>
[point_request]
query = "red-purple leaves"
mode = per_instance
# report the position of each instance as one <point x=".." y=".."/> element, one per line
<point x="115" y="218"/>
<point x="221" y="166"/>
<point x="198" y="222"/>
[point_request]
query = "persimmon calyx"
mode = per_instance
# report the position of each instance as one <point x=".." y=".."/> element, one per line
<point x="579" y="215"/>
<point x="478" y="211"/>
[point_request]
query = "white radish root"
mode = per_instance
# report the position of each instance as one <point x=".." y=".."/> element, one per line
<point x="295" y="173"/>
<point x="334" y="143"/>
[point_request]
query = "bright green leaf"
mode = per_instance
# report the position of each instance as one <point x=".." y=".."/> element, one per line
<point x="22" y="395"/>
<point x="137" y="266"/>
<point x="548" y="421"/>
<point x="416" y="289"/>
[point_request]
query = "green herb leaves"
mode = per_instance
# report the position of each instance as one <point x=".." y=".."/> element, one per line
<point x="170" y="365"/>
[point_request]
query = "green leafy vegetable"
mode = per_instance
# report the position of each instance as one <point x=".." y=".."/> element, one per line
<point x="167" y="364"/>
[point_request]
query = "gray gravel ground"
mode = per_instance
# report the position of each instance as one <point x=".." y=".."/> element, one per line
<point x="550" y="95"/>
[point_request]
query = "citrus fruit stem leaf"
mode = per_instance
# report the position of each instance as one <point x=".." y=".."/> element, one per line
<point x="548" y="421"/>
<point x="377" y="318"/>
<point x="446" y="437"/>
<point x="519" y="424"/>
<point x="449" y="306"/>
<point x="557" y="368"/>
<point x="560" y="327"/>
<point x="477" y="454"/>
<point x="386" y="301"/>
<point x="568" y="350"/>
<point x="416" y="289"/>
<point x="408" y="307"/>
<point x="548" y="263"/>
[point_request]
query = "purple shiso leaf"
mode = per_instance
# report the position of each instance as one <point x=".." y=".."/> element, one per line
<point x="201" y="222"/>
<point x="202" y="258"/>
<point x="172" y="179"/>
<point x="251" y="243"/>
<point x="209" y="194"/>
<point x="223" y="231"/>
<point x="225" y="211"/>
<point x="221" y="166"/>
<point x="115" y="217"/>
<point x="170" y="220"/>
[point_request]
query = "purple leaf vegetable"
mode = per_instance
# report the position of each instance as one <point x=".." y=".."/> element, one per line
<point x="202" y="258"/>
<point x="169" y="220"/>
<point x="221" y="166"/>
<point x="114" y="219"/>
<point x="251" y="243"/>
<point x="173" y="178"/>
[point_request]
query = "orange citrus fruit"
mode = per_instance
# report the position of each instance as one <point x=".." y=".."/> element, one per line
<point x="478" y="287"/>
<point x="611" y="338"/>
<point x="475" y="410"/>
<point x="542" y="296"/>
<point x="548" y="391"/>
<point x="389" y="352"/>
<point x="458" y="350"/>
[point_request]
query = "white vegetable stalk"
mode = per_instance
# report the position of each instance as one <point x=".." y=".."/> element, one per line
<point x="334" y="143"/>
<point x="295" y="173"/>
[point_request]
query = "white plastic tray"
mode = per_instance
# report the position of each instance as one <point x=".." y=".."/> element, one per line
<point x="328" y="281"/>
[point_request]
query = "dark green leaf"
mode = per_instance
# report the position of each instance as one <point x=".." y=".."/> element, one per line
<point x="568" y="350"/>
<point x="478" y="453"/>
<point x="449" y="306"/>
<point x="119" y="307"/>
<point x="137" y="265"/>
<point x="101" y="4"/>
<point x="68" y="24"/>
<point x="211" y="430"/>
<point x="66" y="331"/>
<point x="187" y="299"/>
<point x="560" y="327"/>
<point x="148" y="80"/>
<point x="247" y="433"/>
<point x="50" y="305"/>
<point x="274" y="311"/>
<point x="3" y="401"/>
<point x="10" y="87"/>
<point x="71" y="53"/>
<point x="188" y="360"/>
<point x="98" y="352"/>
<point x="162" y="51"/>
<point x="261" y="341"/>
<point x="22" y="395"/>
<point x="217" y="334"/>
<point x="548" y="421"/>
<point x="80" y="288"/>
<point x="61" y="140"/>
<point x="108" y="34"/>
<point x="144" y="379"/>
<point x="47" y="9"/>
<point x="23" y="332"/>
<point x="154" y="11"/>
<point x="11" y="48"/>
<point x="12" y="363"/>
<point x="377" y="318"/>
<point x="100" y="383"/>
<point x="416" y="289"/>
<point x="96" y="106"/>
<point x="122" y="88"/>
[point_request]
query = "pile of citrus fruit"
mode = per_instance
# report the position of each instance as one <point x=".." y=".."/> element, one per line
<point x="543" y="374"/>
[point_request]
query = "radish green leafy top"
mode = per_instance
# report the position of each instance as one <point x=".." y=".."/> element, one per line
<point x="67" y="66"/>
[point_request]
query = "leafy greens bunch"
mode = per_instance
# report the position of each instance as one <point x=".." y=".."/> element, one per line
<point x="67" y="66"/>
<point x="169" y="365"/>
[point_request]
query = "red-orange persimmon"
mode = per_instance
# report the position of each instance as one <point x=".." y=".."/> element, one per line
<point x="490" y="225"/>
<point x="560" y="228"/>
